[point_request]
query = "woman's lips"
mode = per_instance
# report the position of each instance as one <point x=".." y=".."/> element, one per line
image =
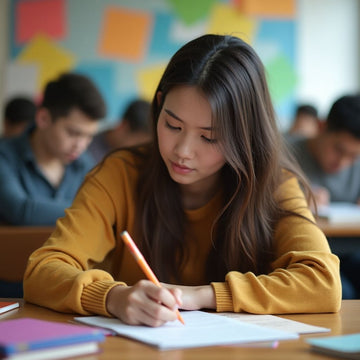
<point x="180" y="169"/>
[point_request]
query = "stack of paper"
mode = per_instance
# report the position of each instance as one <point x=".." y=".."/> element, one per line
<point x="33" y="339"/>
<point x="340" y="213"/>
<point x="200" y="329"/>
<point x="276" y="322"/>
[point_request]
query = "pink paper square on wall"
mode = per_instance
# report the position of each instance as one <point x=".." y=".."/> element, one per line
<point x="34" y="17"/>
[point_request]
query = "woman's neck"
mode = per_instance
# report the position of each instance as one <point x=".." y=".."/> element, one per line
<point x="195" y="196"/>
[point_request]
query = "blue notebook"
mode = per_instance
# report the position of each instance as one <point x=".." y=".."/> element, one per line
<point x="29" y="336"/>
<point x="345" y="346"/>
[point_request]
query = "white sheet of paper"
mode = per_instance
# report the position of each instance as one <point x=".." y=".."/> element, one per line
<point x="200" y="329"/>
<point x="276" y="323"/>
<point x="340" y="213"/>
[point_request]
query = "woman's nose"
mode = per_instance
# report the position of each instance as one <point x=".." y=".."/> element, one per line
<point x="185" y="147"/>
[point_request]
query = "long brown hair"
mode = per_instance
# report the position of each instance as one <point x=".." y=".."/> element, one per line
<point x="232" y="77"/>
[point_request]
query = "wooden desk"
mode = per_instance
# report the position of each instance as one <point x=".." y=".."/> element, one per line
<point x="339" y="230"/>
<point x="347" y="321"/>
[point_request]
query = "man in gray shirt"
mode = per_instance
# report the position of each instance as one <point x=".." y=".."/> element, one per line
<point x="331" y="161"/>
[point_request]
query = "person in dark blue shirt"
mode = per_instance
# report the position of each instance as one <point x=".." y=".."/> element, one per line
<point x="42" y="169"/>
<point x="19" y="114"/>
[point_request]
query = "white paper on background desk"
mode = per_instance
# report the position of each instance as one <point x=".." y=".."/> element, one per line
<point x="200" y="329"/>
<point x="276" y="323"/>
<point x="340" y="213"/>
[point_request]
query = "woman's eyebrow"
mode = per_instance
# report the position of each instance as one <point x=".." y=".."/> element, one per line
<point x="170" y="113"/>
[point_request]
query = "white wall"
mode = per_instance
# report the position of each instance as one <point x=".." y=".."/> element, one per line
<point x="328" y="52"/>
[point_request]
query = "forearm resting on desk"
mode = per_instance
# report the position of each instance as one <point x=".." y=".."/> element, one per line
<point x="196" y="297"/>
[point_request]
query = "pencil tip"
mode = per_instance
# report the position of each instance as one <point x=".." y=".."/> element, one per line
<point x="181" y="319"/>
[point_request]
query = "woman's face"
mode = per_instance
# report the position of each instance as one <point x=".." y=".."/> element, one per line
<point x="186" y="139"/>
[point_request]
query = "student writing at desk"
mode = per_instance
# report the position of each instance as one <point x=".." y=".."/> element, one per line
<point x="42" y="169"/>
<point x="331" y="162"/>
<point x="214" y="205"/>
<point x="131" y="129"/>
<point x="19" y="113"/>
<point x="305" y="123"/>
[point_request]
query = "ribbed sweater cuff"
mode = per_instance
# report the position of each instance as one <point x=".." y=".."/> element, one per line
<point x="223" y="297"/>
<point x="93" y="298"/>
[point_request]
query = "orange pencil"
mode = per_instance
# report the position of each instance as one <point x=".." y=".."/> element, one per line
<point x="143" y="264"/>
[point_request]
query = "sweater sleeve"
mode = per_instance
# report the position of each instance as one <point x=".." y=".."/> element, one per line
<point x="63" y="274"/>
<point x="304" y="271"/>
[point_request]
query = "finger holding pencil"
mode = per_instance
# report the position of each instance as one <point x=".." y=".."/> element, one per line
<point x="143" y="264"/>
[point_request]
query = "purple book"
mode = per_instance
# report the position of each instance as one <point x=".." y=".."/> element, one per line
<point x="27" y="335"/>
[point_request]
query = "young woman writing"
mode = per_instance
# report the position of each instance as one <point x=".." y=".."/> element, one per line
<point x="214" y="204"/>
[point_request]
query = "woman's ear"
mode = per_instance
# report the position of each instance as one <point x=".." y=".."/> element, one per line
<point x="159" y="98"/>
<point x="43" y="118"/>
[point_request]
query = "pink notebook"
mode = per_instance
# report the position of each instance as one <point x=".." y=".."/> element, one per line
<point x="27" y="335"/>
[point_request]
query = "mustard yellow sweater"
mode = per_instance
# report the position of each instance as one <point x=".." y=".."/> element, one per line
<point x="65" y="273"/>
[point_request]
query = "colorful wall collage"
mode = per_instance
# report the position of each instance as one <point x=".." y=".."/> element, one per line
<point x="124" y="45"/>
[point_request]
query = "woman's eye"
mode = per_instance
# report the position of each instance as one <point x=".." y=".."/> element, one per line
<point x="171" y="127"/>
<point x="72" y="133"/>
<point x="210" y="141"/>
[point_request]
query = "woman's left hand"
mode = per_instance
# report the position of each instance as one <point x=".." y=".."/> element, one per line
<point x="195" y="297"/>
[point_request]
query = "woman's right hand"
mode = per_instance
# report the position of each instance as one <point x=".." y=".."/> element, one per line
<point x="143" y="304"/>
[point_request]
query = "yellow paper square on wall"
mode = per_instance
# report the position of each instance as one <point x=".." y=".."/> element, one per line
<point x="227" y="20"/>
<point x="51" y="59"/>
<point x="148" y="80"/>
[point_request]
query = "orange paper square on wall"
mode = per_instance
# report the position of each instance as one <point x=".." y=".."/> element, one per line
<point x="266" y="8"/>
<point x="125" y="34"/>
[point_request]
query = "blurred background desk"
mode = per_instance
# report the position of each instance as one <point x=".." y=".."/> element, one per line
<point x="343" y="238"/>
<point x="339" y="230"/>
<point x="347" y="321"/>
<point x="16" y="245"/>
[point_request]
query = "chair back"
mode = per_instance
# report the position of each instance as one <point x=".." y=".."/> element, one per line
<point x="16" y="245"/>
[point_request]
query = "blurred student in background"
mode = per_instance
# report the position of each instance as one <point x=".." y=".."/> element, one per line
<point x="331" y="161"/>
<point x="133" y="128"/>
<point x="305" y="124"/>
<point x="19" y="113"/>
<point x="42" y="169"/>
